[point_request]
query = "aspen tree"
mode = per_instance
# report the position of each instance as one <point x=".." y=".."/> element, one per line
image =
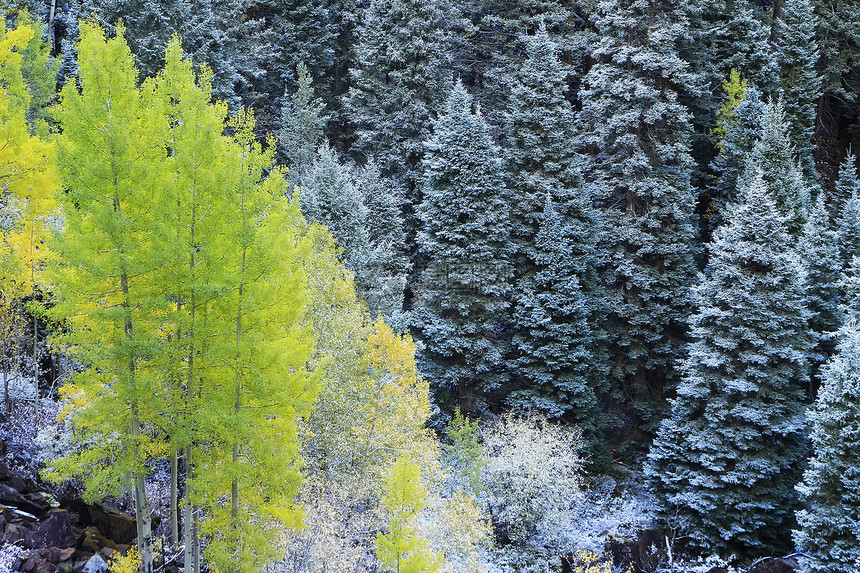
<point x="110" y="156"/>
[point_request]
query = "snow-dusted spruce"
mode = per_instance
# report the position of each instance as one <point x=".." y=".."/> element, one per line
<point x="819" y="251"/>
<point x="389" y="264"/>
<point x="329" y="197"/>
<point x="848" y="222"/>
<point x="725" y="462"/>
<point x="636" y="134"/>
<point x="549" y="204"/>
<point x="774" y="155"/>
<point x="739" y="128"/>
<point x="742" y="43"/>
<point x="555" y="341"/>
<point x="397" y="80"/>
<point x="209" y="30"/>
<point x="725" y="36"/>
<point x="829" y="534"/>
<point x="303" y="120"/>
<point x="801" y="83"/>
<point x="464" y="239"/>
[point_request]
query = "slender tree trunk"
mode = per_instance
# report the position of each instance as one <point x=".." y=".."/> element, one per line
<point x="7" y="403"/>
<point x="36" y="372"/>
<point x="174" y="494"/>
<point x="234" y="490"/>
<point x="51" y="25"/>
<point x="143" y="518"/>
<point x="192" y="554"/>
<point x="187" y="528"/>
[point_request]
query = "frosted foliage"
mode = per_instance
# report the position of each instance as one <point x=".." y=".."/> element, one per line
<point x="635" y="134"/>
<point x="737" y="419"/>
<point x="532" y="476"/>
<point x="462" y="302"/>
<point x="829" y="533"/>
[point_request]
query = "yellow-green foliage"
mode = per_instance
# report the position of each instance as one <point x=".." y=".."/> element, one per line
<point x="111" y="154"/>
<point x="465" y="453"/>
<point x="28" y="176"/>
<point x="402" y="550"/>
<point x="128" y="563"/>
<point x="585" y="561"/>
<point x="735" y="88"/>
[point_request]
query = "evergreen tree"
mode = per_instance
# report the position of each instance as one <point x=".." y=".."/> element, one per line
<point x="839" y="45"/>
<point x="819" y="250"/>
<point x="302" y="32"/>
<point x="488" y="48"/>
<point x="801" y="82"/>
<point x="462" y="306"/>
<point x="636" y="135"/>
<point x="397" y="80"/>
<point x="210" y="31"/>
<point x="726" y="460"/>
<point x="540" y="156"/>
<point x="554" y="343"/>
<point x="725" y="35"/>
<point x="744" y="40"/>
<point x="543" y="173"/>
<point x="829" y="537"/>
<point x="302" y="125"/>
<point x="738" y="128"/>
<point x="389" y="263"/>
<point x="330" y="198"/>
<point x="848" y="222"/>
<point x="775" y="157"/>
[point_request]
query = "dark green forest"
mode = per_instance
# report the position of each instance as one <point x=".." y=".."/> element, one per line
<point x="506" y="286"/>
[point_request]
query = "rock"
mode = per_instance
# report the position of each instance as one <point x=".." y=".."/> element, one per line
<point x="95" y="565"/>
<point x="92" y="540"/>
<point x="113" y="523"/>
<point x="11" y="497"/>
<point x="68" y="553"/>
<point x="107" y="553"/>
<point x="718" y="570"/>
<point x="56" y="531"/>
<point x="15" y="534"/>
<point x="774" y="565"/>
<point x="28" y="565"/>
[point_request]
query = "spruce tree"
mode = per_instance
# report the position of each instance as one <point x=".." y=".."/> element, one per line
<point x="774" y="155"/>
<point x="725" y="35"/>
<point x="848" y="222"/>
<point x="488" y="47"/>
<point x="737" y="135"/>
<point x="462" y="303"/>
<point x="389" y="264"/>
<point x="636" y="135"/>
<point x="303" y="122"/>
<point x="839" y="45"/>
<point x="397" y="82"/>
<point x="330" y="198"/>
<point x="829" y="536"/>
<point x="298" y="31"/>
<point x="725" y="461"/>
<point x="819" y="251"/>
<point x="543" y="175"/>
<point x="801" y="82"/>
<point x="555" y="342"/>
